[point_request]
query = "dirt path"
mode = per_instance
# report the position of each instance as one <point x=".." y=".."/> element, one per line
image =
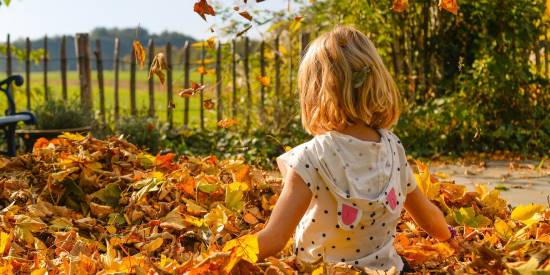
<point x="520" y="182"/>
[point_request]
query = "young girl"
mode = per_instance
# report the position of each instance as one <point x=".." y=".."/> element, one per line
<point x="345" y="188"/>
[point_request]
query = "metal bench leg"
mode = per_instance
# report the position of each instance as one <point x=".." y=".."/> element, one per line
<point x="10" y="139"/>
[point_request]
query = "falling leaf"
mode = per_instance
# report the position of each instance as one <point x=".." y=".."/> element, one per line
<point x="244" y="30"/>
<point x="211" y="42"/>
<point x="228" y="122"/>
<point x="171" y="105"/>
<point x="139" y="53"/>
<point x="208" y="104"/>
<point x="202" y="8"/>
<point x="202" y="70"/>
<point x="157" y="66"/>
<point x="264" y="80"/>
<point x="246" y="15"/>
<point x="400" y="5"/>
<point x="449" y="5"/>
<point x="298" y="18"/>
<point x="195" y="88"/>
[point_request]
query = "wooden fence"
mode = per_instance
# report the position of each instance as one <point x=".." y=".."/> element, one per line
<point x="85" y="60"/>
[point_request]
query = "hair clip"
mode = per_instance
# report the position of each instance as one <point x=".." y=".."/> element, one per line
<point x="360" y="76"/>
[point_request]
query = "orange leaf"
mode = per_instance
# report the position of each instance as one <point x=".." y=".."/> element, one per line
<point x="187" y="185"/>
<point x="139" y="52"/>
<point x="165" y="161"/>
<point x="226" y="123"/>
<point x="250" y="219"/>
<point x="449" y="5"/>
<point x="208" y="104"/>
<point x="202" y="8"/>
<point x="41" y="143"/>
<point x="246" y="15"/>
<point x="400" y="5"/>
<point x="264" y="80"/>
<point x="202" y="70"/>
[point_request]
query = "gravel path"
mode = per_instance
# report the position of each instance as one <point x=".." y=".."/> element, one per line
<point x="520" y="182"/>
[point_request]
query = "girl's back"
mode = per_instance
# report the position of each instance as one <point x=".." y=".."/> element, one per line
<point x="358" y="188"/>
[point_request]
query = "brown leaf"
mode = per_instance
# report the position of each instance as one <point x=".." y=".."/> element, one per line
<point x="139" y="52"/>
<point x="208" y="104"/>
<point x="246" y="15"/>
<point x="202" y="8"/>
<point x="244" y="31"/>
<point x="157" y="66"/>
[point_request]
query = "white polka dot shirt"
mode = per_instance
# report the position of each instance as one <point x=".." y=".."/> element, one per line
<point x="359" y="188"/>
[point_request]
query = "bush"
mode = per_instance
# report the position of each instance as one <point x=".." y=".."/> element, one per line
<point x="58" y="114"/>
<point x="143" y="131"/>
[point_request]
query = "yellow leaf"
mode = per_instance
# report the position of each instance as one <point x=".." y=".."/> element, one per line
<point x="216" y="218"/>
<point x="72" y="136"/>
<point x="503" y="229"/>
<point x="152" y="246"/>
<point x="4" y="242"/>
<point x="245" y="248"/>
<point x="430" y="188"/>
<point x="318" y="271"/>
<point x="40" y="271"/>
<point x="528" y="214"/>
<point x="111" y="229"/>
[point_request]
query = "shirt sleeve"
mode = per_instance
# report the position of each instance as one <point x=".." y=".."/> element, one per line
<point x="410" y="179"/>
<point x="298" y="159"/>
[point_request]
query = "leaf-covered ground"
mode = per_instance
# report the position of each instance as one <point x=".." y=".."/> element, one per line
<point x="79" y="205"/>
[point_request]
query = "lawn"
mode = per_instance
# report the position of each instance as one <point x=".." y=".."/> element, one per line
<point x="142" y="97"/>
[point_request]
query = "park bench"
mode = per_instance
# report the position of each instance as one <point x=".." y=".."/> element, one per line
<point x="8" y="123"/>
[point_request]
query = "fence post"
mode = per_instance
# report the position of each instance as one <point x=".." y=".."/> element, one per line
<point x="133" y="109"/>
<point x="116" y="68"/>
<point x="247" y="82"/>
<point x="45" y="59"/>
<point x="8" y="57"/>
<point x="262" y="87"/>
<point x="219" y="82"/>
<point x="234" y="77"/>
<point x="186" y="83"/>
<point x="151" y="49"/>
<point x="63" y="55"/>
<point x="203" y="53"/>
<point x="28" y="72"/>
<point x="169" y="86"/>
<point x="84" y="70"/>
<point x="277" y="80"/>
<point x="99" y="67"/>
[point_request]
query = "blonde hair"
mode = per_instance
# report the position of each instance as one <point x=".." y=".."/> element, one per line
<point x="331" y="98"/>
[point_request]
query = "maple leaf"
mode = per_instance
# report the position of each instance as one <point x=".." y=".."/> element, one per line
<point x="449" y="5"/>
<point x="244" y="248"/>
<point x="203" y="8"/>
<point x="208" y="104"/>
<point x="400" y="5"/>
<point x="139" y="52"/>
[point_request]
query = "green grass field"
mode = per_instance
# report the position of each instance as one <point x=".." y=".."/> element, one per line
<point x="142" y="94"/>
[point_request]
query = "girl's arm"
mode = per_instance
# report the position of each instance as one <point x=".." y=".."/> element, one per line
<point x="291" y="206"/>
<point x="427" y="215"/>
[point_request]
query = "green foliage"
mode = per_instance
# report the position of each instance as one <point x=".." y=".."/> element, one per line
<point x="142" y="131"/>
<point x="58" y="114"/>
<point x="469" y="81"/>
<point x="260" y="146"/>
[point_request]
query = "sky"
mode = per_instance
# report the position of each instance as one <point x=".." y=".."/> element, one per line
<point x="36" y="18"/>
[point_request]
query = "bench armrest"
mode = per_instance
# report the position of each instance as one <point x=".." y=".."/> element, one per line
<point x="6" y="86"/>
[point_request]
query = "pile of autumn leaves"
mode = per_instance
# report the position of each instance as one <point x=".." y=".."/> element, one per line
<point x="79" y="205"/>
